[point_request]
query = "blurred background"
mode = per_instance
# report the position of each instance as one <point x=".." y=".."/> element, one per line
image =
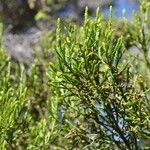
<point x="25" y="21"/>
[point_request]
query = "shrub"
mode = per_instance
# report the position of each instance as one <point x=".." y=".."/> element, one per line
<point x="93" y="95"/>
<point x="12" y="101"/>
<point x="102" y="93"/>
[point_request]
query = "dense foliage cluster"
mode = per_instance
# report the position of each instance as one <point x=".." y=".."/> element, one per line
<point x="94" y="93"/>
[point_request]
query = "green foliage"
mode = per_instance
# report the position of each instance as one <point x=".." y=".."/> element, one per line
<point x="26" y="120"/>
<point x="12" y="101"/>
<point x="103" y="102"/>
<point x="94" y="94"/>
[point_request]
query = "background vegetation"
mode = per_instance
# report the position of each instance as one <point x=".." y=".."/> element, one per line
<point x="93" y="94"/>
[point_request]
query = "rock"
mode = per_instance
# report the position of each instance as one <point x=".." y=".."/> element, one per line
<point x="20" y="46"/>
<point x="22" y="33"/>
<point x="93" y="4"/>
